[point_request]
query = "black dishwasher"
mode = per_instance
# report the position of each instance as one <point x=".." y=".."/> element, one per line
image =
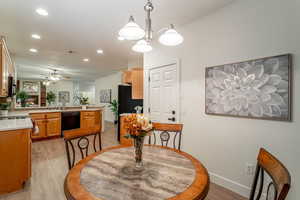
<point x="70" y="120"/>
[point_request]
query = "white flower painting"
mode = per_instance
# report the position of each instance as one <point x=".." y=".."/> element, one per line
<point x="254" y="89"/>
<point x="105" y="96"/>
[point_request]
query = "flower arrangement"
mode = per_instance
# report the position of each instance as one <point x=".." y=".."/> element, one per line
<point x="84" y="100"/>
<point x="137" y="125"/>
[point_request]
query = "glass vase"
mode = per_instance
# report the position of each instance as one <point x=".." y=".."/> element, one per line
<point x="138" y="149"/>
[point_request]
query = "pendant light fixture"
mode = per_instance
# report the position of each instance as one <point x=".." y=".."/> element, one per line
<point x="171" y="37"/>
<point x="132" y="31"/>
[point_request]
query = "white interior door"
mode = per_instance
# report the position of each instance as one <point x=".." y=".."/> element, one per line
<point x="164" y="94"/>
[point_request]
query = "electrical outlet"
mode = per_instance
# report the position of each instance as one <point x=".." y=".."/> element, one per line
<point x="249" y="169"/>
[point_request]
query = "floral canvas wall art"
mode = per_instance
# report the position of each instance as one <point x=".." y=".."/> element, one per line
<point x="258" y="88"/>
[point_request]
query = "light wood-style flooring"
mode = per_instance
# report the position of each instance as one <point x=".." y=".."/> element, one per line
<point x="49" y="168"/>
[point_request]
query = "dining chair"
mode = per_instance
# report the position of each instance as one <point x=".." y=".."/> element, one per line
<point x="81" y="137"/>
<point x="280" y="178"/>
<point x="164" y="131"/>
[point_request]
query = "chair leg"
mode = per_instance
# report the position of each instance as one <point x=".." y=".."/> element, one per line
<point x="179" y="146"/>
<point x="94" y="142"/>
<point x="100" y="141"/>
<point x="68" y="154"/>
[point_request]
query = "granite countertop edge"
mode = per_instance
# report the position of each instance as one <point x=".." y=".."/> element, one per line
<point x="15" y="124"/>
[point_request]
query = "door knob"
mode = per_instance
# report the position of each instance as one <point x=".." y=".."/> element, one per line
<point x="173" y="112"/>
<point x="172" y="119"/>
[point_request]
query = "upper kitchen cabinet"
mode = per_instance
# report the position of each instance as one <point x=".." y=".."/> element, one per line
<point x="6" y="68"/>
<point x="127" y="77"/>
<point x="135" y="77"/>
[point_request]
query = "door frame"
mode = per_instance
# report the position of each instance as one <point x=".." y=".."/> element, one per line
<point x="175" y="62"/>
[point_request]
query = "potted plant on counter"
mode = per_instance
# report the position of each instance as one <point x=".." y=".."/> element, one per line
<point x="4" y="108"/>
<point x="114" y="109"/>
<point x="84" y="101"/>
<point x="51" y="97"/>
<point x="22" y="96"/>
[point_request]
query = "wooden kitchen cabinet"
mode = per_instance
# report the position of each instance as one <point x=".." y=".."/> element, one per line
<point x="137" y="84"/>
<point x="41" y="123"/>
<point x="53" y="127"/>
<point x="6" y="67"/>
<point x="49" y="125"/>
<point x="15" y="159"/>
<point x="88" y="122"/>
<point x="89" y="119"/>
<point x="127" y="77"/>
<point x="135" y="77"/>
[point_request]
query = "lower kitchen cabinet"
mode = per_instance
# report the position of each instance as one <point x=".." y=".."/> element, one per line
<point x="41" y="123"/>
<point x="49" y="125"/>
<point x="53" y="127"/>
<point x="90" y="119"/>
<point x="15" y="159"/>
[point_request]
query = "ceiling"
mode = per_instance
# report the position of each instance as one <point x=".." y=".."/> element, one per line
<point x="84" y="26"/>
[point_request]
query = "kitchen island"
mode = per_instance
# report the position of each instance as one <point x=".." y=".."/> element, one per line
<point x="15" y="153"/>
<point x="54" y="122"/>
<point x="50" y="121"/>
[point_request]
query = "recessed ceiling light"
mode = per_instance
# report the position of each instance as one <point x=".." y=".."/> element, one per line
<point x="41" y="11"/>
<point x="86" y="60"/>
<point x="99" y="51"/>
<point x="121" y="38"/>
<point x="36" y="36"/>
<point x="33" y="50"/>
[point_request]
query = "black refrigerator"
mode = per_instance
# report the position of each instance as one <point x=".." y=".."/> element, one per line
<point x="126" y="103"/>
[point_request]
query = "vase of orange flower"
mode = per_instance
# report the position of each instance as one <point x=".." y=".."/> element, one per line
<point x="137" y="126"/>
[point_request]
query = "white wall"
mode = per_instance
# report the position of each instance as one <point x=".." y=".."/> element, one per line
<point x="137" y="61"/>
<point x="62" y="86"/>
<point x="244" y="30"/>
<point x="108" y="82"/>
<point x="87" y="89"/>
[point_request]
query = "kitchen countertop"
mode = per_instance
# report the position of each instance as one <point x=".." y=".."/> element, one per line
<point x="15" y="124"/>
<point x="25" y="113"/>
<point x="126" y="114"/>
<point x="13" y="120"/>
<point x="69" y="110"/>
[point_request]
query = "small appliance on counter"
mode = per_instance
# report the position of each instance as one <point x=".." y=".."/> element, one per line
<point x="126" y="103"/>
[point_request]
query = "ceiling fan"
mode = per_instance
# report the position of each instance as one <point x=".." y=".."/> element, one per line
<point x="56" y="76"/>
<point x="53" y="77"/>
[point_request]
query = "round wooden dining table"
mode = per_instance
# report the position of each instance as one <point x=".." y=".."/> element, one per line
<point x="111" y="175"/>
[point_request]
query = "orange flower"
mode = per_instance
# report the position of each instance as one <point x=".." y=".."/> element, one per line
<point x="137" y="125"/>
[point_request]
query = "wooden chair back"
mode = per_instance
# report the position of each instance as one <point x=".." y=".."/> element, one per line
<point x="81" y="137"/>
<point x="164" y="130"/>
<point x="279" y="175"/>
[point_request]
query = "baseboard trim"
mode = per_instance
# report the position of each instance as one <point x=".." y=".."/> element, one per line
<point x="229" y="184"/>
